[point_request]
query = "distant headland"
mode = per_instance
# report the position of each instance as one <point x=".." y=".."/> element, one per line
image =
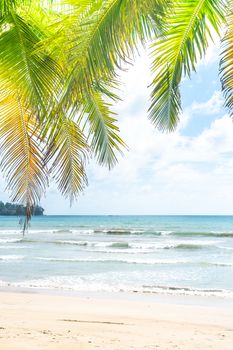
<point x="10" y="209"/>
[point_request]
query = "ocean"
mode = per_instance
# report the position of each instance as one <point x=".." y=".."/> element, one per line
<point x="190" y="255"/>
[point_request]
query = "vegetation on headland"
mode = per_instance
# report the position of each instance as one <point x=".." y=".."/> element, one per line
<point x="11" y="209"/>
<point x="59" y="65"/>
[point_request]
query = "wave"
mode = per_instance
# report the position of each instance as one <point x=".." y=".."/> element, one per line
<point x="118" y="246"/>
<point x="59" y="242"/>
<point x="122" y="231"/>
<point x="62" y="231"/>
<point x="144" y="231"/>
<point x="151" y="232"/>
<point x="119" y="232"/>
<point x="158" y="289"/>
<point x="228" y="264"/>
<point x="71" y="242"/>
<point x="49" y="231"/>
<point x="150" y="247"/>
<point x="204" y="234"/>
<point x="130" y="260"/>
<point x="11" y="257"/>
<point x="192" y="246"/>
<point x="74" y="231"/>
<point x="10" y="240"/>
<point x="222" y="234"/>
<point x="226" y="248"/>
<point x="123" y="245"/>
<point x="97" y="284"/>
<point x="9" y="232"/>
<point x="12" y="247"/>
<point x="116" y="260"/>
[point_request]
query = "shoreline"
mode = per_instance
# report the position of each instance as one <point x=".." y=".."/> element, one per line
<point x="48" y="321"/>
<point x="154" y="297"/>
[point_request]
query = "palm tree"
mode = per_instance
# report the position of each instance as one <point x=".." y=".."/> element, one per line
<point x="57" y="89"/>
<point x="59" y="71"/>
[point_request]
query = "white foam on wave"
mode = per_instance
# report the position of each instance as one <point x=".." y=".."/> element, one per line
<point x="71" y="242"/>
<point x="117" y="260"/>
<point x="222" y="233"/>
<point x="98" y="283"/>
<point x="227" y="264"/>
<point x="226" y="248"/>
<point x="73" y="283"/>
<point x="74" y="231"/>
<point x="13" y="247"/>
<point x="49" y="231"/>
<point x="10" y="232"/>
<point x="10" y="240"/>
<point x="133" y="231"/>
<point x="173" y="290"/>
<point x="11" y="257"/>
<point x="165" y="233"/>
<point x="146" y="247"/>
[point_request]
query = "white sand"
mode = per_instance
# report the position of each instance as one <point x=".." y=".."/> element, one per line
<point x="37" y="321"/>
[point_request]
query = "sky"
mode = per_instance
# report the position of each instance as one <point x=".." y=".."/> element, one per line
<point x="186" y="172"/>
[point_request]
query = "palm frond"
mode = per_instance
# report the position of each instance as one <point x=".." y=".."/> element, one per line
<point x="226" y="62"/>
<point x="103" y="133"/>
<point x="66" y="155"/>
<point x="190" y="26"/>
<point x="102" y="34"/>
<point x="6" y="6"/>
<point x="21" y="152"/>
<point x="98" y="36"/>
<point x="36" y="75"/>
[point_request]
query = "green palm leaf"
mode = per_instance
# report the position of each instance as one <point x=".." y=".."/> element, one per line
<point x="102" y="130"/>
<point x="226" y="63"/>
<point x="190" y="24"/>
<point x="21" y="151"/>
<point x="66" y="154"/>
<point x="6" y="6"/>
<point x="36" y="75"/>
<point x="101" y="34"/>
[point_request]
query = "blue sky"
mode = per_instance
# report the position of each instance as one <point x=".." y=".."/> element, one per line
<point x="187" y="172"/>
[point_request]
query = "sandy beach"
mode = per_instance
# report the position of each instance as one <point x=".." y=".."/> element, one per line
<point x="54" y="322"/>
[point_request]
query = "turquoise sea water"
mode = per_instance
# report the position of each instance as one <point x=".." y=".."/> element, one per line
<point x="165" y="254"/>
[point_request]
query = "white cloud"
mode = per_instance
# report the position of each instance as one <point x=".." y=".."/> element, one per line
<point x="212" y="106"/>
